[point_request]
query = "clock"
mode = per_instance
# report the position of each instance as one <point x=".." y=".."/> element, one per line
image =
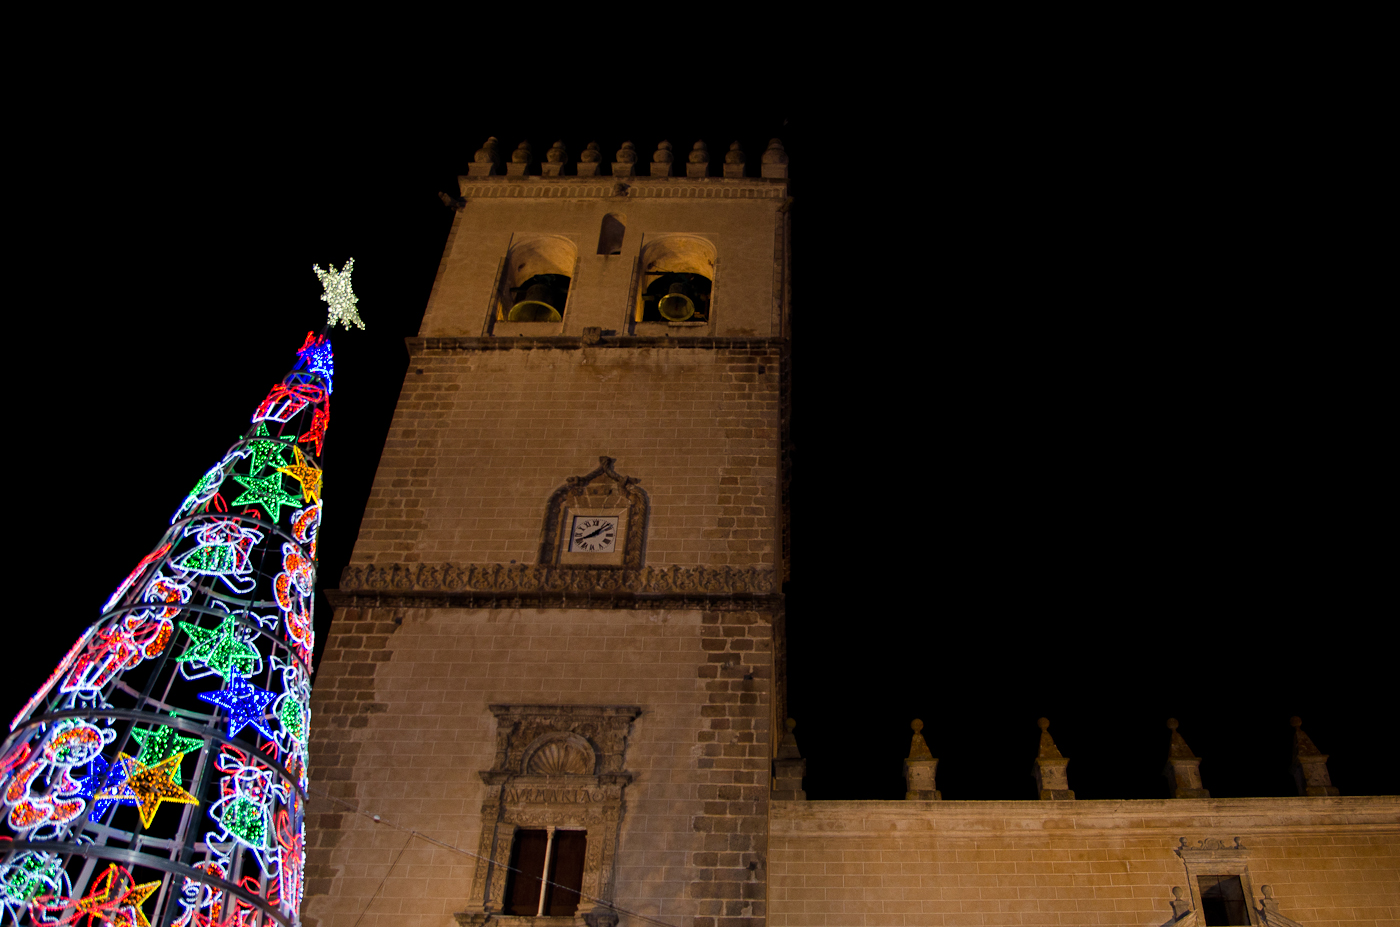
<point x="594" y="534"/>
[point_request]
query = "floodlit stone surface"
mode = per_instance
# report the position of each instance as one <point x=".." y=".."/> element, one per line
<point x="1329" y="861"/>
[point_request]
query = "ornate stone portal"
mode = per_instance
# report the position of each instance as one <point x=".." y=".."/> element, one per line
<point x="557" y="766"/>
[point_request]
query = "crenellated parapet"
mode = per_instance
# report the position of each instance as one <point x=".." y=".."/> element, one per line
<point x="662" y="164"/>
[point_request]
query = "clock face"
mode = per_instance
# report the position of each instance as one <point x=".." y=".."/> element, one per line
<point x="593" y="534"/>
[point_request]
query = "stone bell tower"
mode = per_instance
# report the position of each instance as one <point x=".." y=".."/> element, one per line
<point x="555" y="668"/>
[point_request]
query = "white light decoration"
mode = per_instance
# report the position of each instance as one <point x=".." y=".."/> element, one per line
<point x="338" y="295"/>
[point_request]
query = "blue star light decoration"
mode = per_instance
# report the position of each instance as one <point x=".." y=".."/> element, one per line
<point x="117" y="791"/>
<point x="338" y="295"/>
<point x="319" y="358"/>
<point x="245" y="703"/>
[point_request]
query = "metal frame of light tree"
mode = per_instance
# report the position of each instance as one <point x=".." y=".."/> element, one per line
<point x="166" y="757"/>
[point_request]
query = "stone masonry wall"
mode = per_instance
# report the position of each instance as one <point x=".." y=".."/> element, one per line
<point x="730" y="869"/>
<point x="480" y="439"/>
<point x="1332" y="862"/>
<point x="401" y="729"/>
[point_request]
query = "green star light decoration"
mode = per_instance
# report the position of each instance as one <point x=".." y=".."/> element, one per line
<point x="266" y="492"/>
<point x="219" y="649"/>
<point x="160" y="744"/>
<point x="269" y="452"/>
<point x="338" y="295"/>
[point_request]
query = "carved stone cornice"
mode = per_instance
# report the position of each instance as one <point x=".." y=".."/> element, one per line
<point x="418" y="347"/>
<point x="498" y="585"/>
<point x="539" y="187"/>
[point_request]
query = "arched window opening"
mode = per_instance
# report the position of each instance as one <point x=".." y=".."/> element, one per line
<point x="610" y="235"/>
<point x="677" y="281"/>
<point x="536" y="280"/>
<point x="676" y="297"/>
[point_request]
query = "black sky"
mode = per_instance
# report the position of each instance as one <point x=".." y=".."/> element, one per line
<point x="1095" y="444"/>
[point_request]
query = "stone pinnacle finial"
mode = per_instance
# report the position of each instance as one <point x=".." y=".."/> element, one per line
<point x="1302" y="743"/>
<point x="1179" y="747"/>
<point x="775" y="160"/>
<point x="555" y="159"/>
<point x="1051" y="768"/>
<point x="698" y="161"/>
<point x="519" y="164"/>
<point x="661" y="160"/>
<point x="920" y="768"/>
<point x="625" y="161"/>
<point x="487" y="159"/>
<point x="1181" y="905"/>
<point x="1048" y="750"/>
<point x="918" y="747"/>
<point x="788" y="768"/>
<point x="1183" y="769"/>
<point x="1309" y="764"/>
<point x="734" y="161"/>
<point x="590" y="160"/>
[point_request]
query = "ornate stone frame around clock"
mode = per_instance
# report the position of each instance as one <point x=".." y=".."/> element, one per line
<point x="556" y="766"/>
<point x="601" y="492"/>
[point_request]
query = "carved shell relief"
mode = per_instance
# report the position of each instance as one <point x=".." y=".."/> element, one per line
<point x="567" y="755"/>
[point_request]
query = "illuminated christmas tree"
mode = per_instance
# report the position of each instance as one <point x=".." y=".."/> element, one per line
<point x="159" y="776"/>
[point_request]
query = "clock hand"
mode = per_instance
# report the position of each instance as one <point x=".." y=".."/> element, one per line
<point x="594" y="533"/>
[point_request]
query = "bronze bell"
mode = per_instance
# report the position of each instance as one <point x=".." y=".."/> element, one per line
<point x="676" y="305"/>
<point x="535" y="307"/>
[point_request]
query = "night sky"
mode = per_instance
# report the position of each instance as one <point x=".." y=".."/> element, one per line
<point x="1096" y="445"/>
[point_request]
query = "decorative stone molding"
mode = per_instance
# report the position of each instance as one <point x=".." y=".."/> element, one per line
<point x="420" y="346"/>
<point x="498" y="585"/>
<point x="1213" y="856"/>
<point x="601" y="490"/>
<point x="557" y="766"/>
<point x="583" y="186"/>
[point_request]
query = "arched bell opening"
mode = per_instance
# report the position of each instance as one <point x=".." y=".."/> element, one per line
<point x="676" y="297"/>
<point x="677" y="280"/>
<point x="536" y="280"/>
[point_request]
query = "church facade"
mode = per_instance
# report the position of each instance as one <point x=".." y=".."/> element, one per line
<point x="553" y="688"/>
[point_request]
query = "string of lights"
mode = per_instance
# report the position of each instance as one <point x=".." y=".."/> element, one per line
<point x="163" y="765"/>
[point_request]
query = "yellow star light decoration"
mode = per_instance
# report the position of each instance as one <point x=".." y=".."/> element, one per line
<point x="308" y="476"/>
<point x="114" y="898"/>
<point x="338" y="295"/>
<point x="154" y="784"/>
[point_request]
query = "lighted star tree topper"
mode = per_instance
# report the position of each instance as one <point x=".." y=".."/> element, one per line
<point x="159" y="775"/>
